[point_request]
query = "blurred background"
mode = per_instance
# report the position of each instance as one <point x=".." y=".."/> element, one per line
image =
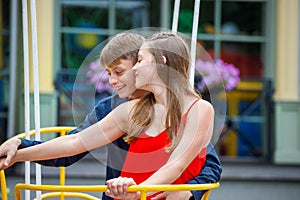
<point x="260" y="141"/>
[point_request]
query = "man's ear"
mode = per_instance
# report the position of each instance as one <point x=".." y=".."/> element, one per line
<point x="164" y="59"/>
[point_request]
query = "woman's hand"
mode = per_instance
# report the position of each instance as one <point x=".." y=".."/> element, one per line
<point x="7" y="151"/>
<point x="117" y="188"/>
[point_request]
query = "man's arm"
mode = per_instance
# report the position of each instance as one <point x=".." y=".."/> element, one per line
<point x="210" y="173"/>
<point x="57" y="162"/>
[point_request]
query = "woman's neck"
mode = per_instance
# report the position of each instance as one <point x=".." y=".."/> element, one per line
<point x="160" y="95"/>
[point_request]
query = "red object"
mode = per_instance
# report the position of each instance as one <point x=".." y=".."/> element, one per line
<point x="250" y="66"/>
<point x="147" y="154"/>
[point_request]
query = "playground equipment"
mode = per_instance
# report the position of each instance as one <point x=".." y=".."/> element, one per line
<point x="63" y="191"/>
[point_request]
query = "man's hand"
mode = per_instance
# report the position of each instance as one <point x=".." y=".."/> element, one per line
<point x="117" y="188"/>
<point x="180" y="195"/>
<point x="7" y="151"/>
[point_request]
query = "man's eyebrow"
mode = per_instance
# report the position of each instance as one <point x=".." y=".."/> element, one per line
<point x="108" y="69"/>
<point x="112" y="68"/>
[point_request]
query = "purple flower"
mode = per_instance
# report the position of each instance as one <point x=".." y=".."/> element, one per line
<point x="216" y="74"/>
<point x="96" y="75"/>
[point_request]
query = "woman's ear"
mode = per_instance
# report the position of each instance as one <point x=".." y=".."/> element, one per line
<point x="164" y="59"/>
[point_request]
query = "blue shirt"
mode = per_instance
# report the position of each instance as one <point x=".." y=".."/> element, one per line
<point x="117" y="150"/>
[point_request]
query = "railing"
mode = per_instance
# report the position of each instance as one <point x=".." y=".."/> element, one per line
<point x="102" y="188"/>
<point x="3" y="185"/>
<point x="63" y="191"/>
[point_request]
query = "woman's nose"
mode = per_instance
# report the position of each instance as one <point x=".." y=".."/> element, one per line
<point x="134" y="67"/>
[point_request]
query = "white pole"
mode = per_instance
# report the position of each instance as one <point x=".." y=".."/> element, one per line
<point x="36" y="87"/>
<point x="175" y="16"/>
<point x="26" y="88"/>
<point x="194" y="42"/>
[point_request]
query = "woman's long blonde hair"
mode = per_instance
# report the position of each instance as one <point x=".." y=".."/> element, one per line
<point x="172" y="60"/>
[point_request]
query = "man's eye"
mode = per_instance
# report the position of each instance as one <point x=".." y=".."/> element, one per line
<point x="119" y="72"/>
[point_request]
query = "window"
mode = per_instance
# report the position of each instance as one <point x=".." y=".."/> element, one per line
<point x="236" y="31"/>
<point x="82" y="25"/>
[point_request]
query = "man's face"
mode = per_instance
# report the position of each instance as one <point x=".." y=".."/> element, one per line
<point x="122" y="78"/>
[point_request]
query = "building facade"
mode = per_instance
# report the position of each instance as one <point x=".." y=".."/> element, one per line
<point x="260" y="37"/>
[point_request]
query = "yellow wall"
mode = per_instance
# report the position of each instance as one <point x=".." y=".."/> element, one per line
<point x="287" y="51"/>
<point x="44" y="12"/>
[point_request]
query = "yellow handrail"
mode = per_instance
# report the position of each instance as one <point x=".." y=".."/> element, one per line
<point x="62" y="191"/>
<point x="101" y="188"/>
<point x="56" y="129"/>
<point x="3" y="185"/>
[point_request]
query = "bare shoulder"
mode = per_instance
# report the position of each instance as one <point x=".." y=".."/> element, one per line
<point x="203" y="106"/>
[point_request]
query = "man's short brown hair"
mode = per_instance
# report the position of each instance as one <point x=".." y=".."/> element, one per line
<point x="122" y="46"/>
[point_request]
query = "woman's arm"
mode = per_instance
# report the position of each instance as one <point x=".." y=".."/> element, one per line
<point x="105" y="131"/>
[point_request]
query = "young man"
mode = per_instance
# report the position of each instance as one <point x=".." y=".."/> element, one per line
<point x="119" y="56"/>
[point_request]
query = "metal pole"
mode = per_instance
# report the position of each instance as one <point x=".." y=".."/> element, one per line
<point x="194" y="42"/>
<point x="112" y="17"/>
<point x="164" y="13"/>
<point x="26" y="88"/>
<point x="175" y="16"/>
<point x="36" y="87"/>
<point x="13" y="68"/>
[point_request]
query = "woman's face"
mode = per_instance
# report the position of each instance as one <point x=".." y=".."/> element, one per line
<point x="145" y="69"/>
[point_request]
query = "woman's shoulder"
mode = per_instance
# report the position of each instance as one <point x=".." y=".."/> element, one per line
<point x="201" y="105"/>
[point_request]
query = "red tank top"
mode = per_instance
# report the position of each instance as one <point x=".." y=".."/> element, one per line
<point x="147" y="154"/>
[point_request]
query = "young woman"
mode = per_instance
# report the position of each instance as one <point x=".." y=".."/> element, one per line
<point x="170" y="150"/>
<point x="171" y="114"/>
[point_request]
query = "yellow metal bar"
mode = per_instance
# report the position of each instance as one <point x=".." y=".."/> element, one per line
<point x="54" y="129"/>
<point x="250" y="86"/>
<point x="102" y="188"/>
<point x="62" y="170"/>
<point x="3" y="185"/>
<point x="69" y="194"/>
<point x="74" y="191"/>
<point x="62" y="179"/>
<point x="206" y="195"/>
<point x="143" y="195"/>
